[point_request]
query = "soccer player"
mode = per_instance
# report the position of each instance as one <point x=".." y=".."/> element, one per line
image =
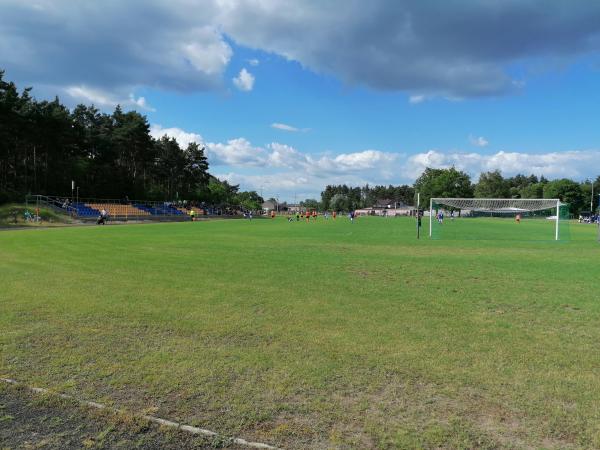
<point x="518" y="218"/>
<point x="334" y="214"/>
<point x="315" y="214"/>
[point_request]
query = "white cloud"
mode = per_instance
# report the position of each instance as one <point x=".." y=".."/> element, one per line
<point x="576" y="164"/>
<point x="91" y="95"/>
<point x="287" y="171"/>
<point x="205" y="49"/>
<point x="415" y="99"/>
<point x="354" y="162"/>
<point x="104" y="99"/>
<point x="244" y="81"/>
<point x="140" y="102"/>
<point x="478" y="141"/>
<point x="236" y="152"/>
<point x="182" y="137"/>
<point x="282" y="155"/>
<point x="283" y="169"/>
<point x="253" y="62"/>
<point x="284" y="127"/>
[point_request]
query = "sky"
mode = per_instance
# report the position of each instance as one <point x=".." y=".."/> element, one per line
<point x="288" y="96"/>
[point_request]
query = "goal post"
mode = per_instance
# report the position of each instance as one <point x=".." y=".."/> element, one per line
<point x="514" y="208"/>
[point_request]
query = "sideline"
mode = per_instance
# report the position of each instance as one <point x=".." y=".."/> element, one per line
<point x="157" y="420"/>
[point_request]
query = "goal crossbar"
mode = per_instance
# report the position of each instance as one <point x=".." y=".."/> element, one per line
<point x="514" y="205"/>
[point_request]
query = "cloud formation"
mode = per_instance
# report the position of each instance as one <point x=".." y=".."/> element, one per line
<point x="455" y="50"/>
<point x="182" y="137"/>
<point x="244" y="81"/>
<point x="478" y="141"/>
<point x="104" y="99"/>
<point x="285" y="127"/>
<point x="576" y="164"/>
<point x="287" y="170"/>
<point x="113" y="46"/>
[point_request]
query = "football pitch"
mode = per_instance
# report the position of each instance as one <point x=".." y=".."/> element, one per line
<point x="317" y="335"/>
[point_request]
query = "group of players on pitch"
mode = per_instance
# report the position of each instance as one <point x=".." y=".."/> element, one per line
<point x="308" y="215"/>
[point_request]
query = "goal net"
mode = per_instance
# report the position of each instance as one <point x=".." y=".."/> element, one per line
<point x="498" y="218"/>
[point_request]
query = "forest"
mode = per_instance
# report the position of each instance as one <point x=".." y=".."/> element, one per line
<point x="44" y="146"/>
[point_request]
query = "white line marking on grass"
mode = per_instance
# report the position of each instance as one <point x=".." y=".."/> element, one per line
<point x="157" y="420"/>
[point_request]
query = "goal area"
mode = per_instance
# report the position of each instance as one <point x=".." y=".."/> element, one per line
<point x="498" y="219"/>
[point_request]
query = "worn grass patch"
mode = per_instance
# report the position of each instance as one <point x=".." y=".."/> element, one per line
<point x="326" y="334"/>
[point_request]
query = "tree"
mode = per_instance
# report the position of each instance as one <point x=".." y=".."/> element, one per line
<point x="195" y="172"/>
<point x="535" y="190"/>
<point x="339" y="202"/>
<point x="590" y="196"/>
<point x="443" y="183"/>
<point x="568" y="192"/>
<point x="311" y="204"/>
<point x="491" y="185"/>
<point x="249" y="201"/>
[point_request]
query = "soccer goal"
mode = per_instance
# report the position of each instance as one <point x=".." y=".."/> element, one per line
<point x="498" y="218"/>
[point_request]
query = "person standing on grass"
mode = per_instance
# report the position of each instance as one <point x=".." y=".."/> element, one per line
<point x="518" y="218"/>
<point x="334" y="214"/>
<point x="192" y="214"/>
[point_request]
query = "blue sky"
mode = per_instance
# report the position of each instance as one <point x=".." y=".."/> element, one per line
<point x="288" y="96"/>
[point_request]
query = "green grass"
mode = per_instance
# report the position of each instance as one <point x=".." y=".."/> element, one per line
<point x="529" y="229"/>
<point x="318" y="335"/>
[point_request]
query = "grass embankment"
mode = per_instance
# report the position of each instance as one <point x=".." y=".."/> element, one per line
<point x="13" y="215"/>
<point x="326" y="334"/>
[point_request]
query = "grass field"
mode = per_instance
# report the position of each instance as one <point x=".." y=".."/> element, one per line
<point x="320" y="335"/>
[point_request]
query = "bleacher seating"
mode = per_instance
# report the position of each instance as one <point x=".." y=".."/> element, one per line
<point x="160" y="210"/>
<point x="85" y="210"/>
<point x="118" y="210"/>
<point x="92" y="209"/>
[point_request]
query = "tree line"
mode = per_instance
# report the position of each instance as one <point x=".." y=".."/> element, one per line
<point x="455" y="183"/>
<point x="44" y="146"/>
<point x="346" y="198"/>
